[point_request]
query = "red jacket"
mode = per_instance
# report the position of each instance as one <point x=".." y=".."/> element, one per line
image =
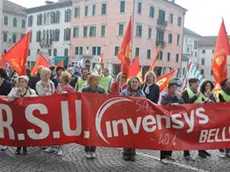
<point x="116" y="89"/>
<point x="61" y="89"/>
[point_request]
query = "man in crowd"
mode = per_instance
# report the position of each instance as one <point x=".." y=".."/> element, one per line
<point x="106" y="80"/>
<point x="82" y="80"/>
<point x="13" y="76"/>
<point x="34" y="79"/>
<point x="56" y="79"/>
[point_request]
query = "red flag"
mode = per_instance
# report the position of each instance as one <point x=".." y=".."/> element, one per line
<point x="41" y="61"/>
<point x="151" y="68"/>
<point x="164" y="80"/>
<point x="101" y="61"/>
<point x="219" y="64"/>
<point x="60" y="63"/>
<point x="17" y="55"/>
<point x="134" y="69"/>
<point x="125" y="50"/>
<point x="2" y="62"/>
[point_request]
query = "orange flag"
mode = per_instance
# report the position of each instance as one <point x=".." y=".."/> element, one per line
<point x="135" y="69"/>
<point x="163" y="81"/>
<point x="60" y="63"/>
<point x="2" y="62"/>
<point x="41" y="61"/>
<point x="151" y="68"/>
<point x="124" y="54"/>
<point x="17" y="55"/>
<point x="219" y="64"/>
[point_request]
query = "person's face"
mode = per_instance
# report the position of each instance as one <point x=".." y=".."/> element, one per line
<point x="47" y="76"/>
<point x="95" y="82"/>
<point x="208" y="87"/>
<point x="59" y="72"/>
<point x="22" y="83"/>
<point x="11" y="70"/>
<point x="123" y="79"/>
<point x="195" y="85"/>
<point x="150" y="79"/>
<point x="134" y="84"/>
<point x="84" y="74"/>
<point x="228" y="84"/>
<point x="62" y="81"/>
<point x="105" y="73"/>
<point x="173" y="90"/>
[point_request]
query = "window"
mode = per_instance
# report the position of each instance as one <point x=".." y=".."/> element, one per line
<point x="203" y="62"/>
<point x="179" y="21"/>
<point x="56" y="35"/>
<point x="103" y="9"/>
<point x="213" y="51"/>
<point x="161" y="17"/>
<point x="68" y="15"/>
<point x="171" y="18"/>
<point x="103" y="30"/>
<point x="94" y="10"/>
<point x="30" y="21"/>
<point x="76" y="51"/>
<point x="160" y="55"/>
<point x="98" y="51"/>
<point x="76" y="32"/>
<point x="121" y="29"/>
<point x="39" y="19"/>
<point x="53" y="16"/>
<point x="150" y="33"/>
<point x="202" y="71"/>
<point x="29" y="53"/>
<point x="85" y="31"/>
<point x="15" y="22"/>
<point x="151" y="11"/>
<point x="195" y="54"/>
<point x="86" y="10"/>
<point x="77" y="12"/>
<point x="137" y="52"/>
<point x="195" y="45"/>
<point x="168" y="57"/>
<point x="177" y="57"/>
<point x="149" y="54"/>
<point x="170" y="38"/>
<point x="5" y="37"/>
<point x="55" y="52"/>
<point x="66" y="52"/>
<point x="122" y="6"/>
<point x="211" y="72"/>
<point x="178" y="39"/>
<point x="81" y="51"/>
<point x="139" y="31"/>
<point x="14" y="38"/>
<point x="139" y="7"/>
<point x="50" y="52"/>
<point x="22" y="35"/>
<point x="116" y="50"/>
<point x="31" y="36"/>
<point x="57" y="17"/>
<point x="23" y="23"/>
<point x="67" y="33"/>
<point x="5" y="20"/>
<point x="160" y="36"/>
<point x="45" y="18"/>
<point x="92" y="31"/>
<point x="38" y="36"/>
<point x="203" y="51"/>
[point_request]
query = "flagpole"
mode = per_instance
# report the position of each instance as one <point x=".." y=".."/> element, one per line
<point x="133" y="26"/>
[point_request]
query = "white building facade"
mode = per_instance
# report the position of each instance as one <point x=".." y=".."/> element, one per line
<point x="13" y="24"/>
<point x="51" y="30"/>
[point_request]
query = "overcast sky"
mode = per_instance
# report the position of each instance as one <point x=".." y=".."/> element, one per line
<point x="203" y="16"/>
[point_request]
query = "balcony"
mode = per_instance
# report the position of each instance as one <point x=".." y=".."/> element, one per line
<point x="162" y="23"/>
<point x="160" y="42"/>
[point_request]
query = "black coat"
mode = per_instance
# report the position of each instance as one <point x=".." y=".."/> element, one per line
<point x="154" y="92"/>
<point x="5" y="88"/>
<point x="33" y="81"/>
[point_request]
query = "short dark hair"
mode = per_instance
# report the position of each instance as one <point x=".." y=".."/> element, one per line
<point x="60" y="68"/>
<point x="52" y="68"/>
<point x="202" y="87"/>
<point x="3" y="73"/>
<point x="222" y="84"/>
<point x="172" y="84"/>
<point x="193" y="80"/>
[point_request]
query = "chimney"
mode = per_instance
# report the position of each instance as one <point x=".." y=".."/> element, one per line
<point x="49" y="2"/>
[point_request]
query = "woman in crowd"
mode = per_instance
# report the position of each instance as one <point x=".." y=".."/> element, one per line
<point x="133" y="90"/>
<point x="151" y="90"/>
<point x="120" y="84"/>
<point x="21" y="90"/>
<point x="93" y="87"/>
<point x="45" y="86"/>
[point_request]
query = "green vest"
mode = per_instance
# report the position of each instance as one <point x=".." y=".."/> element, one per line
<point x="191" y="94"/>
<point x="105" y="82"/>
<point x="80" y="83"/>
<point x="225" y="96"/>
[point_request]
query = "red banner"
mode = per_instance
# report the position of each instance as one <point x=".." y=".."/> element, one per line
<point x="113" y="122"/>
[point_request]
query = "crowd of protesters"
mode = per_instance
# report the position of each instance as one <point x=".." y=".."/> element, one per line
<point x="57" y="80"/>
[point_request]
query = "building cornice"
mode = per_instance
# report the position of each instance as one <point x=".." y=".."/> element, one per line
<point x="15" y="13"/>
<point x="49" y="7"/>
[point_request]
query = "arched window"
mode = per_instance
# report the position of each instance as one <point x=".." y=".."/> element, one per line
<point x="23" y="23"/>
<point x="15" y="22"/>
<point x="5" y="20"/>
<point x="43" y="34"/>
<point x="68" y="15"/>
<point x="30" y="21"/>
<point x="57" y="16"/>
<point x="52" y="17"/>
<point x="50" y="52"/>
<point x="55" y="52"/>
<point x="5" y="37"/>
<point x="14" y="38"/>
<point x="66" y="52"/>
<point x="38" y="51"/>
<point x="45" y="18"/>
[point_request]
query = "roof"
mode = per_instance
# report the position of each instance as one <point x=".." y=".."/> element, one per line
<point x="174" y="4"/>
<point x="57" y="5"/>
<point x="208" y="41"/>
<point x="13" y="8"/>
<point x="190" y="33"/>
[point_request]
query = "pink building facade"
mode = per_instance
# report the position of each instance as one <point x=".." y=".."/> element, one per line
<point x="99" y="26"/>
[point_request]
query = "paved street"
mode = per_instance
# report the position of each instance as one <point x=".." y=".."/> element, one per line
<point x="108" y="160"/>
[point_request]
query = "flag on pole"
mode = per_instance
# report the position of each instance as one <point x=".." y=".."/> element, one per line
<point x="60" y="63"/>
<point x="124" y="54"/>
<point x="219" y="64"/>
<point x="17" y="55"/>
<point x="2" y="62"/>
<point x="101" y="61"/>
<point x="135" y="69"/>
<point x="151" y="68"/>
<point x="41" y="61"/>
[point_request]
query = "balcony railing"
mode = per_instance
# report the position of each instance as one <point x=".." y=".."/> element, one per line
<point x="160" y="42"/>
<point x="162" y="23"/>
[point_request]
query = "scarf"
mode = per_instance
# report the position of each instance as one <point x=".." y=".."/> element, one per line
<point x="147" y="88"/>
